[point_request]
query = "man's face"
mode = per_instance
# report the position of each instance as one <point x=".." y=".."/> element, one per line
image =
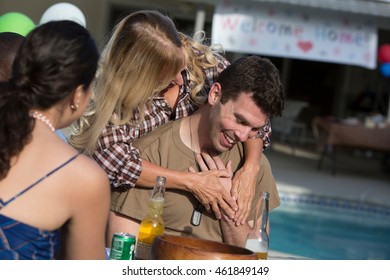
<point x="235" y="121"/>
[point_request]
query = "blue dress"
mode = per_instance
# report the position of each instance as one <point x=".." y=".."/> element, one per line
<point x="19" y="241"/>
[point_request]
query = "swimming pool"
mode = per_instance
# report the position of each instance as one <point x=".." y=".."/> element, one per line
<point x="330" y="229"/>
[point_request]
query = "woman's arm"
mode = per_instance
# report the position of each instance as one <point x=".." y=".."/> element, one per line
<point x="124" y="167"/>
<point x="205" y="186"/>
<point x="83" y="236"/>
<point x="244" y="179"/>
<point x="232" y="233"/>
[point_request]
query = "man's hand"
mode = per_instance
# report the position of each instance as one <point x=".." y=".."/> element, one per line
<point x="232" y="234"/>
<point x="213" y="185"/>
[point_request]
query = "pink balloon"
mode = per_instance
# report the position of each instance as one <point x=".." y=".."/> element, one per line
<point x="384" y="53"/>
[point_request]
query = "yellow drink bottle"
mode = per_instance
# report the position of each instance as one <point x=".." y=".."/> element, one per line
<point x="152" y="224"/>
<point x="257" y="240"/>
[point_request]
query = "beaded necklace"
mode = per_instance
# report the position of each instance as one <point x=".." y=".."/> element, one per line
<point x="38" y="116"/>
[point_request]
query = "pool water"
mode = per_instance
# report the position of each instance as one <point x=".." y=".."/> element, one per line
<point x="330" y="229"/>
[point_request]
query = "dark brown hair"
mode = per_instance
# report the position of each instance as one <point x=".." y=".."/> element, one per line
<point x="257" y="76"/>
<point x="53" y="60"/>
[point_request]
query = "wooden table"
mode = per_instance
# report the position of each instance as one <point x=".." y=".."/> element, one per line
<point x="332" y="132"/>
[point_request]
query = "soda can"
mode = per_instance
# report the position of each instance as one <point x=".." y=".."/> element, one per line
<point x="122" y="246"/>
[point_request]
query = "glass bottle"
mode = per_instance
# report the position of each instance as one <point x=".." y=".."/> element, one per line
<point x="257" y="240"/>
<point x="152" y="224"/>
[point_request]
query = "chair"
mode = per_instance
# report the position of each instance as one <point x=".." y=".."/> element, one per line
<point x="289" y="124"/>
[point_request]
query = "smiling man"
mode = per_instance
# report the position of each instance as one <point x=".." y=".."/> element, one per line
<point x="245" y="96"/>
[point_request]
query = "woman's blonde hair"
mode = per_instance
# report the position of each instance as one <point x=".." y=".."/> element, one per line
<point x="141" y="59"/>
<point x="199" y="56"/>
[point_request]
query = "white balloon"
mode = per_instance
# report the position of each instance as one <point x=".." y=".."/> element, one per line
<point x="63" y="11"/>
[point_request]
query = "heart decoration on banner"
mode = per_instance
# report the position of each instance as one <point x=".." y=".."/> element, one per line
<point x="305" y="46"/>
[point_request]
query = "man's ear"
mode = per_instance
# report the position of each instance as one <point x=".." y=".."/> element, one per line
<point x="215" y="94"/>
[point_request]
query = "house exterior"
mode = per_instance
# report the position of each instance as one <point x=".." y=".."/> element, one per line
<point x="331" y="87"/>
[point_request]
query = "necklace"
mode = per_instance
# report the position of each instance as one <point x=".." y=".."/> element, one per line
<point x="192" y="144"/>
<point x="38" y="116"/>
<point x="196" y="216"/>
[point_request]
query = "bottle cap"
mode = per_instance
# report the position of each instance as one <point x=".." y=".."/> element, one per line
<point x="265" y="195"/>
<point x="161" y="179"/>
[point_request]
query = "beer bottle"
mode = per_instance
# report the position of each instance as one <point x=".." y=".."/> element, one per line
<point x="257" y="240"/>
<point x="152" y="224"/>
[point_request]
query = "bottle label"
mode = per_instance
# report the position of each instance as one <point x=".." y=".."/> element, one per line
<point x="143" y="251"/>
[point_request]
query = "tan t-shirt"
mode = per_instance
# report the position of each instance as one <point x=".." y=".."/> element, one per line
<point x="164" y="147"/>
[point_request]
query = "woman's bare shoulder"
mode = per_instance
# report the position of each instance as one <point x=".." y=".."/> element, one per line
<point x="89" y="170"/>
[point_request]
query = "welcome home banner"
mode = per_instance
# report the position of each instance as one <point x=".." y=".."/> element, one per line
<point x="295" y="32"/>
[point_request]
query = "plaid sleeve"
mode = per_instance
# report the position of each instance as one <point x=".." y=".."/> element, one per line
<point x="265" y="134"/>
<point x="213" y="72"/>
<point x="116" y="155"/>
<point x="222" y="62"/>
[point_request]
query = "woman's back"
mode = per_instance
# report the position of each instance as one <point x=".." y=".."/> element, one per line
<point x="48" y="190"/>
<point x="54" y="200"/>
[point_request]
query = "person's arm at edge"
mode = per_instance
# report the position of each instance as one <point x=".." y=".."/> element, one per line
<point x="244" y="180"/>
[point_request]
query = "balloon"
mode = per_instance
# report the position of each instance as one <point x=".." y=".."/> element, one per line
<point x="385" y="69"/>
<point x="384" y="53"/>
<point x="16" y="23"/>
<point x="63" y="11"/>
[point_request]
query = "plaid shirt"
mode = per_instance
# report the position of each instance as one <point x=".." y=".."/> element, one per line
<point x="115" y="153"/>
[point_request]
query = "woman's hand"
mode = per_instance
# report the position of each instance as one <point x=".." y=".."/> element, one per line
<point x="213" y="185"/>
<point x="244" y="180"/>
<point x="208" y="162"/>
<point x="243" y="190"/>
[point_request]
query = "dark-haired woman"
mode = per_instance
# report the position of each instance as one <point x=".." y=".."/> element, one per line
<point x="53" y="201"/>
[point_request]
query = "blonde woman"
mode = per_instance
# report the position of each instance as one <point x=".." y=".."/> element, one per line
<point x="143" y="83"/>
